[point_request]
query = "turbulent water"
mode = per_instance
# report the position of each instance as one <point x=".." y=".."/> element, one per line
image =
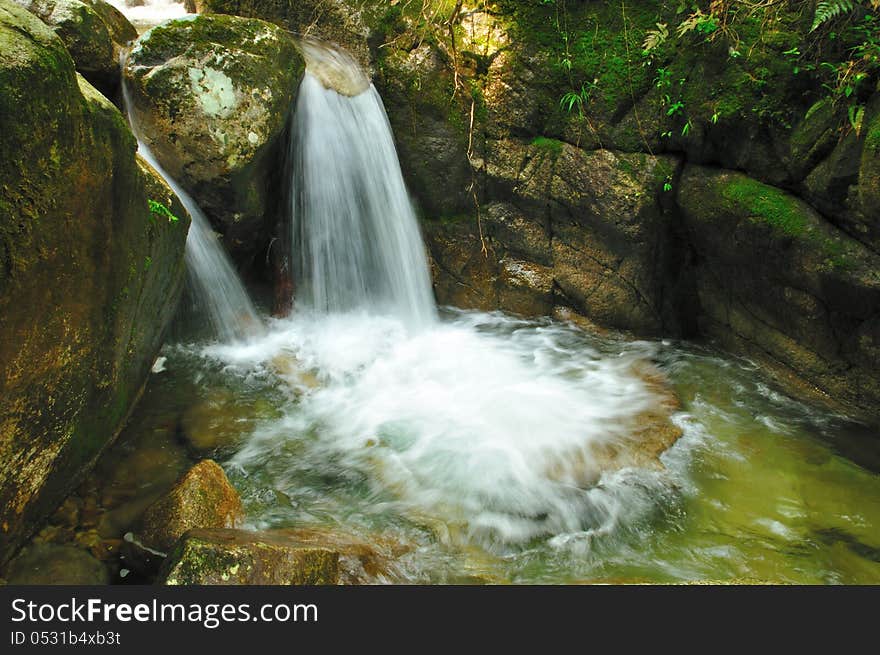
<point x="470" y="439"/>
<point x="356" y="238"/>
<point x="446" y="441"/>
<point x="213" y="282"/>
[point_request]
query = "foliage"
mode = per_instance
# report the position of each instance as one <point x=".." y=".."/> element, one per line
<point x="158" y="209"/>
<point x="826" y="11"/>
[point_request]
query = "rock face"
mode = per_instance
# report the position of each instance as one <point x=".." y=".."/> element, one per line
<point x="212" y="96"/>
<point x="222" y="557"/>
<point x="94" y="33"/>
<point x="202" y="498"/>
<point x="89" y="277"/>
<point x="775" y="278"/>
<point x="547" y="159"/>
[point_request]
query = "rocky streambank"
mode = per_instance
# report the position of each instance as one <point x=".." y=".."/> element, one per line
<point x="575" y="156"/>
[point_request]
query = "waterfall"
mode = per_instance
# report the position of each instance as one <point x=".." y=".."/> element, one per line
<point x="356" y="241"/>
<point x="211" y="276"/>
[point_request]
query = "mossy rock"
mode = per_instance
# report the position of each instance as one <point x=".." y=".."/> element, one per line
<point x="211" y="97"/>
<point x="94" y="33"/>
<point x="202" y="498"/>
<point x="238" y="557"/>
<point x="334" y="21"/>
<point x="82" y="314"/>
<point x="775" y="278"/>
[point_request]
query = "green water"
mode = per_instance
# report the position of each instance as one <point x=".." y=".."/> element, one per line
<point x="761" y="487"/>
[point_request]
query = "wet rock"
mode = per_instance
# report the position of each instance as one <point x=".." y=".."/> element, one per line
<point x="88" y="279"/>
<point x="463" y="274"/>
<point x="202" y="498"/>
<point x="49" y="564"/>
<point x="212" y="95"/>
<point x="94" y="33"/>
<point x="845" y="185"/>
<point x="68" y="512"/>
<point x="210" y="557"/>
<point x="779" y="282"/>
<point x="369" y="560"/>
<point x="648" y="435"/>
<point x="221" y="420"/>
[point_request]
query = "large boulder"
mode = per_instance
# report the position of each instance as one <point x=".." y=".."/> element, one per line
<point x="777" y="280"/>
<point x="224" y="557"/>
<point x="335" y="21"/>
<point x="211" y="95"/>
<point x="94" y="33"/>
<point x="89" y="276"/>
<point x="202" y="498"/>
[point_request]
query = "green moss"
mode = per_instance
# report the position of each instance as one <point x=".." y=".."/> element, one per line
<point x="595" y="46"/>
<point x="450" y="219"/>
<point x="550" y="146"/>
<point x="872" y="138"/>
<point x="768" y="204"/>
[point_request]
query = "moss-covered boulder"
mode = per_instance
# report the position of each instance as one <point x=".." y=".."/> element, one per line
<point x="212" y="95"/>
<point x="202" y="498"/>
<point x="777" y="280"/>
<point x="225" y="557"/>
<point x="94" y="33"/>
<point x="89" y="277"/>
<point x="335" y="21"/>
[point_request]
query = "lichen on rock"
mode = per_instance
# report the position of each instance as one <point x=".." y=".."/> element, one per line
<point x="212" y="95"/>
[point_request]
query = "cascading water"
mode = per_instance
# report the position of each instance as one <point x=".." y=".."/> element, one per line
<point x="473" y="440"/>
<point x="356" y="237"/>
<point x="468" y="420"/>
<point x="211" y="276"/>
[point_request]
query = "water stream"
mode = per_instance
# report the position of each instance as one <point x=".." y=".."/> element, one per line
<point x="474" y="440"/>
<point x="213" y="281"/>
<point x="356" y="237"/>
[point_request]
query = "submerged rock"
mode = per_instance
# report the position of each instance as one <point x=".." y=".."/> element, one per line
<point x="212" y="95"/>
<point x="651" y="433"/>
<point x="202" y="498"/>
<point x="222" y="557"/>
<point x="50" y="564"/>
<point x="220" y="420"/>
<point x="361" y="561"/>
<point x="89" y="276"/>
<point x="94" y="33"/>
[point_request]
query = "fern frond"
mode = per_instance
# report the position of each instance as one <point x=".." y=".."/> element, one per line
<point x="825" y="11"/>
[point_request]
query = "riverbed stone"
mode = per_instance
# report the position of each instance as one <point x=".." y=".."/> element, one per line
<point x="89" y="276"/>
<point x="228" y="557"/>
<point x="202" y="498"/>
<point x="51" y="564"/>
<point x="211" y="96"/>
